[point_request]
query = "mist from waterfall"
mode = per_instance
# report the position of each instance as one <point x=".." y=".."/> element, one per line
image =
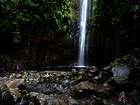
<point x="83" y="31"/>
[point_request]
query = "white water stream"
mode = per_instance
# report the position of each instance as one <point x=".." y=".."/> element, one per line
<point x="83" y="31"/>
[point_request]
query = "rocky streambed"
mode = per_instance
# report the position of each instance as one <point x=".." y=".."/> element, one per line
<point x="51" y="88"/>
<point x="83" y="87"/>
<point x="44" y="85"/>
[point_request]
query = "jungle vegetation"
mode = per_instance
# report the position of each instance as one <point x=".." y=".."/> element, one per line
<point x="45" y="31"/>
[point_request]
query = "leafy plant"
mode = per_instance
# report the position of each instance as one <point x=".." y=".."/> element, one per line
<point x="43" y="15"/>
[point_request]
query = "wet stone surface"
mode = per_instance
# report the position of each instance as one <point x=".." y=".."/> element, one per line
<point x="46" y="86"/>
<point x="85" y="87"/>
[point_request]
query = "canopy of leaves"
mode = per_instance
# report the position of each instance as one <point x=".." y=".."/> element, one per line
<point x="39" y="16"/>
<point x="115" y="28"/>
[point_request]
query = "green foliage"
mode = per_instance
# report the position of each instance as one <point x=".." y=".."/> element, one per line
<point x="122" y="16"/>
<point x="62" y="15"/>
<point x="42" y="15"/>
<point x="12" y="18"/>
<point x="115" y="28"/>
<point x="74" y="10"/>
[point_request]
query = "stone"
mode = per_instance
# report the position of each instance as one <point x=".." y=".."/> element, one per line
<point x="73" y="101"/>
<point x="15" y="92"/>
<point x="56" y="88"/>
<point x="18" y="76"/>
<point x="34" y="100"/>
<point x="82" y="89"/>
<point x="86" y="88"/>
<point x="7" y="98"/>
<point x="120" y="73"/>
<point x="13" y="86"/>
<point x="12" y="76"/>
<point x="43" y="98"/>
<point x="66" y="83"/>
<point x="3" y="87"/>
<point x="22" y="87"/>
<point x="15" y="83"/>
<point x="24" y="101"/>
<point x="85" y="85"/>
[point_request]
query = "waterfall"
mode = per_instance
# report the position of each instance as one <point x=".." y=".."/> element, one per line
<point x="83" y="32"/>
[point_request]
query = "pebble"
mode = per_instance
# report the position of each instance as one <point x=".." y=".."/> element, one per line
<point x="53" y="87"/>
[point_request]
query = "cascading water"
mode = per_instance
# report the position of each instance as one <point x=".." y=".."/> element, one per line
<point x="83" y="31"/>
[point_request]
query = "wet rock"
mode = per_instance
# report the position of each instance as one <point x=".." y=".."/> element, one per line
<point x="15" y="83"/>
<point x="66" y="83"/>
<point x="82" y="90"/>
<point x="7" y="98"/>
<point x="43" y="98"/>
<point x="60" y="100"/>
<point x="85" y="85"/>
<point x="3" y="87"/>
<point x="18" y="76"/>
<point x="13" y="86"/>
<point x="94" y="71"/>
<point x="35" y="100"/>
<point x="52" y="87"/>
<point x="15" y="92"/>
<point x="22" y="87"/>
<point x="3" y="80"/>
<point x="12" y="76"/>
<point x="84" y="101"/>
<point x="120" y="73"/>
<point x="73" y="101"/>
<point x="40" y="96"/>
<point x="24" y="101"/>
<point x="54" y="83"/>
<point x="86" y="88"/>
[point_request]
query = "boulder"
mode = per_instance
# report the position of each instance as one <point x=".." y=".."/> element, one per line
<point x="120" y="73"/>
<point x="15" y="83"/>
